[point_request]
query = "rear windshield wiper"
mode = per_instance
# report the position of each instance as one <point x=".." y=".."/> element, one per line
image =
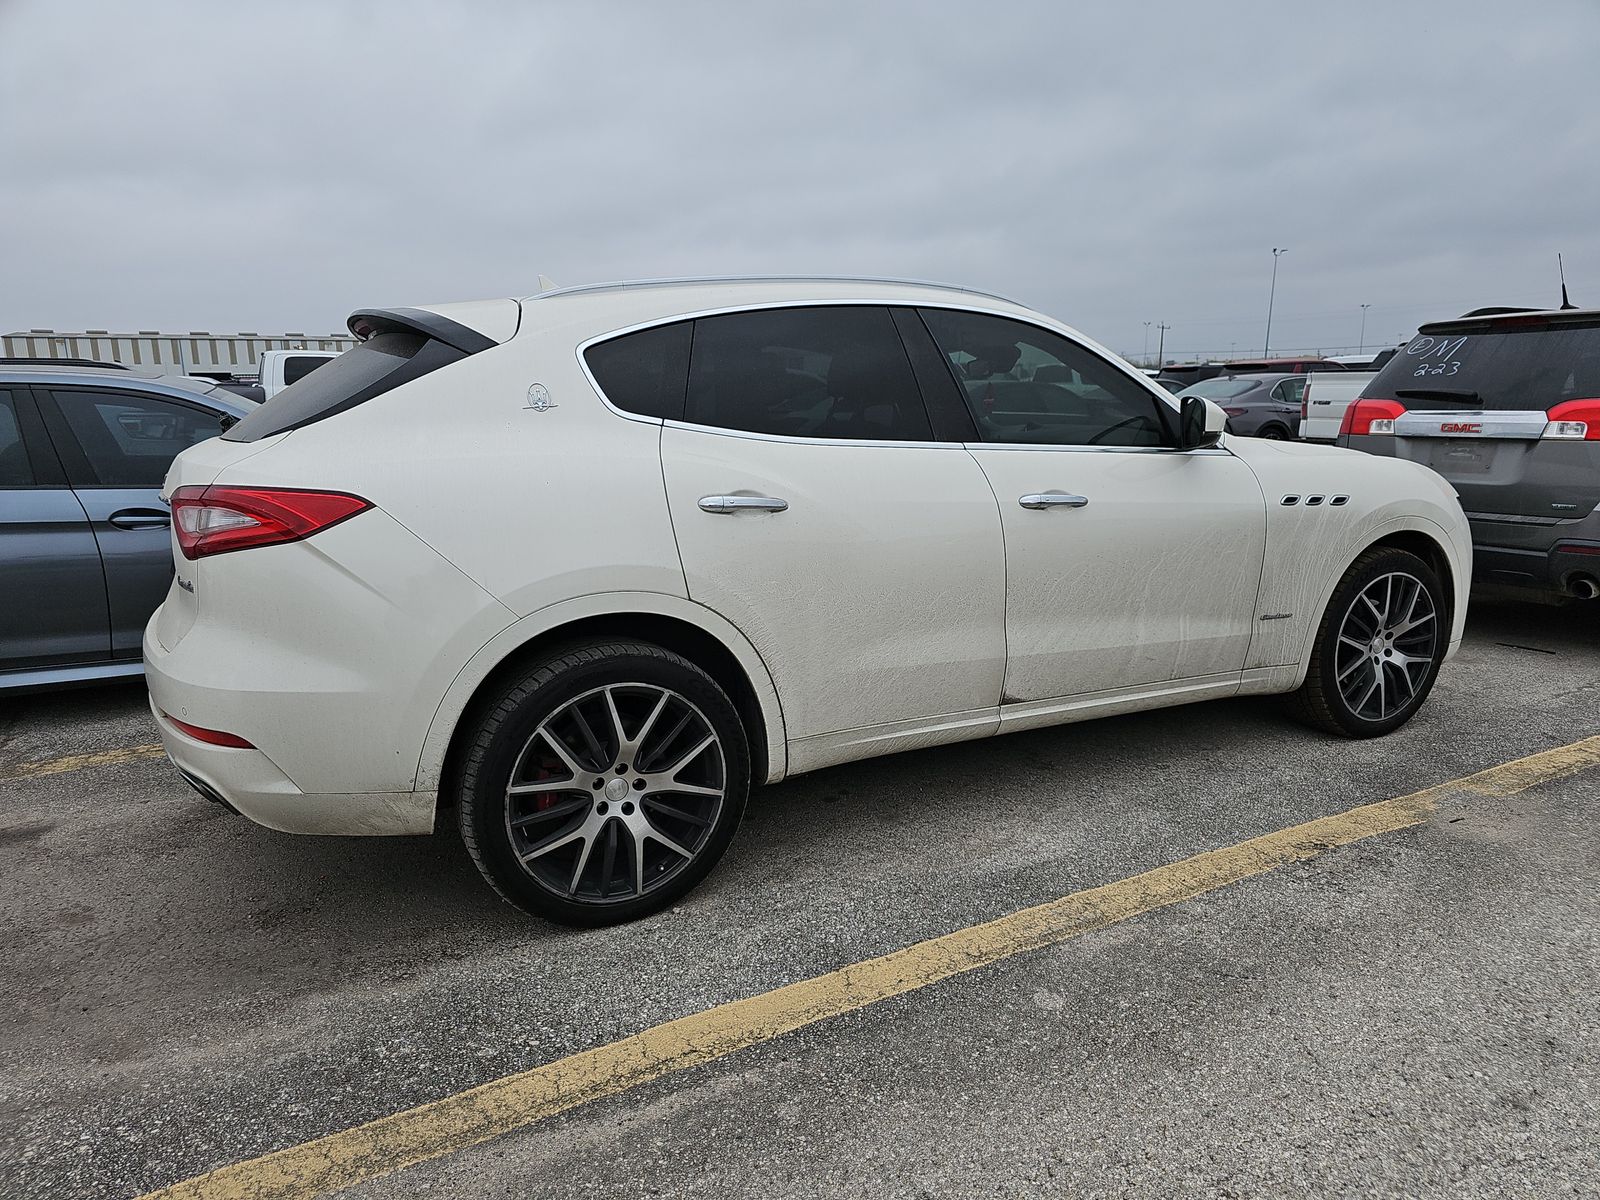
<point x="1437" y="394"/>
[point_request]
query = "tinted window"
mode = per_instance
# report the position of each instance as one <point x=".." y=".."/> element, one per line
<point x="806" y="372"/>
<point x="14" y="468"/>
<point x="1288" y="390"/>
<point x="1028" y="385"/>
<point x="644" y="372"/>
<point x="298" y="367"/>
<point x="1221" y="389"/>
<point x="128" y="439"/>
<point x="1494" y="368"/>
<point x="383" y="361"/>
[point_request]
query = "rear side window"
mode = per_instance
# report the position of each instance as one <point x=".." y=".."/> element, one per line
<point x="297" y="368"/>
<point x="127" y="439"/>
<point x="826" y="372"/>
<point x="644" y="372"/>
<point x="384" y="361"/>
<point x="1495" y="368"/>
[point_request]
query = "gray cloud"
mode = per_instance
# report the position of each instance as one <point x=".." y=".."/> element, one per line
<point x="272" y="166"/>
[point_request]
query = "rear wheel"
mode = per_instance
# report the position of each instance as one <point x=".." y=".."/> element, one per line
<point x="604" y="784"/>
<point x="1378" y="647"/>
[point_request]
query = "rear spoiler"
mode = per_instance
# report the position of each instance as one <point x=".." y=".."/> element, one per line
<point x="365" y="322"/>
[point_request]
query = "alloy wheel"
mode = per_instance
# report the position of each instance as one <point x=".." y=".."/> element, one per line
<point x="1386" y="646"/>
<point x="615" y="793"/>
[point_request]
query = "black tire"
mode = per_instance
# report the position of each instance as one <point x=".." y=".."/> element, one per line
<point x="1324" y="701"/>
<point x="500" y="829"/>
<point x="1273" y="433"/>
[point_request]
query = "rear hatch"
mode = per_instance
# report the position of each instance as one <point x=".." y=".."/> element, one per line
<point x="1507" y="409"/>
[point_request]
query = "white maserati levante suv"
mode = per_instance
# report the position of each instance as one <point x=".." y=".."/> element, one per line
<point x="578" y="570"/>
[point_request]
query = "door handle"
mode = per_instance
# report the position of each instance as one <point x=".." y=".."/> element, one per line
<point x="141" y="518"/>
<point x="734" y="504"/>
<point x="1053" y="500"/>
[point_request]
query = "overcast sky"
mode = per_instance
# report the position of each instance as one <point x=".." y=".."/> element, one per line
<point x="270" y="166"/>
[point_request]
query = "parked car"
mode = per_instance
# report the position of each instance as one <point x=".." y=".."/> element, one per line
<point x="586" y="566"/>
<point x="1324" y="399"/>
<point x="85" y="552"/>
<point x="1506" y="406"/>
<point x="1265" y="406"/>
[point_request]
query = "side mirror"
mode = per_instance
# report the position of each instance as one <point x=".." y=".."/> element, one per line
<point x="1201" y="423"/>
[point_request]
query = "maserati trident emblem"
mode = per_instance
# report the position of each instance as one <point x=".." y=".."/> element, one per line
<point x="539" y="399"/>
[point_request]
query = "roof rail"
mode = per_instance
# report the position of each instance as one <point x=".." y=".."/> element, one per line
<point x="689" y="281"/>
<point x="45" y="361"/>
<point x="1496" y="311"/>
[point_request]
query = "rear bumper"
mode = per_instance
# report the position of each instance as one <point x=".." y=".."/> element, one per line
<point x="251" y="784"/>
<point x="1545" y="557"/>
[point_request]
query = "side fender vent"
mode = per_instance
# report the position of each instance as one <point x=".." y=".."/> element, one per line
<point x="1290" y="501"/>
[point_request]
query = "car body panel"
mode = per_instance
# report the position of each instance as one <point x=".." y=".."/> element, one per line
<point x="1074" y="623"/>
<point x="917" y="603"/>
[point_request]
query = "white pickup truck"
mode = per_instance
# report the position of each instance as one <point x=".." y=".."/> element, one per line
<point x="280" y="368"/>
<point x="1323" y="403"/>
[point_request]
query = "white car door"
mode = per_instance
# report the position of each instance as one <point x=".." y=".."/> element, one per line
<point x="815" y="512"/>
<point x="1129" y="565"/>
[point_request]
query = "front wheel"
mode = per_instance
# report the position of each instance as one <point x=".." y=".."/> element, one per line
<point x="603" y="784"/>
<point x="1378" y="647"/>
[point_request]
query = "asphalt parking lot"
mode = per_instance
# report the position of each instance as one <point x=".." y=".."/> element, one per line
<point x="1414" y="1013"/>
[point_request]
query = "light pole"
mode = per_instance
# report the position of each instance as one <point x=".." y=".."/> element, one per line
<point x="1266" y="349"/>
<point x="1362" y="348"/>
<point x="1145" y="353"/>
<point x="1161" y="344"/>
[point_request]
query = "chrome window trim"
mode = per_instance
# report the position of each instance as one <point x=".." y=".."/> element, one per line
<point x="1160" y="394"/>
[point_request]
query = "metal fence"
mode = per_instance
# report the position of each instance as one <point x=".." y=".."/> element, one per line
<point x="170" y="353"/>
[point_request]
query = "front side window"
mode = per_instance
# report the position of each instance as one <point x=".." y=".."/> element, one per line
<point x="827" y="372"/>
<point x="1026" y="385"/>
<point x="128" y="439"/>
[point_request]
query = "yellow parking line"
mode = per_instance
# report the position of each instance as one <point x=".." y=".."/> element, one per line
<point x="74" y="762"/>
<point x="352" y="1156"/>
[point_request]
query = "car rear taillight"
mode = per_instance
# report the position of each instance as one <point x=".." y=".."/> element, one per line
<point x="1577" y="420"/>
<point x="212" y="737"/>
<point x="220" y="519"/>
<point x="1235" y="412"/>
<point x="1371" y="417"/>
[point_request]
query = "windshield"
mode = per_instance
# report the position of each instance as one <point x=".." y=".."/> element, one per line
<point x="1501" y="368"/>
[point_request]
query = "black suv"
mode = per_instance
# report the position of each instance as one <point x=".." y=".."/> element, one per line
<point x="1506" y="406"/>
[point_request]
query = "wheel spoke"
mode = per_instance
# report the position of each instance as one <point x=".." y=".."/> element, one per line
<point x="699" y="749"/>
<point x="565" y="809"/>
<point x="561" y="750"/>
<point x="554" y="842"/>
<point x="649" y="724"/>
<point x="1351" y="669"/>
<point x="608" y="858"/>
<point x="671" y="735"/>
<point x="679" y="814"/>
<point x="577" y="869"/>
<point x="616" y="722"/>
<point x="673" y="788"/>
<point x="601" y="759"/>
<point x="655" y="835"/>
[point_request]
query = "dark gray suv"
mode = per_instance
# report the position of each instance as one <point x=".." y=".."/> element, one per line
<point x="85" y="552"/>
<point x="1506" y="406"/>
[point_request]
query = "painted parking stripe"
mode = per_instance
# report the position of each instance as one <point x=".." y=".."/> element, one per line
<point x="403" y="1139"/>
<point x="76" y="762"/>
